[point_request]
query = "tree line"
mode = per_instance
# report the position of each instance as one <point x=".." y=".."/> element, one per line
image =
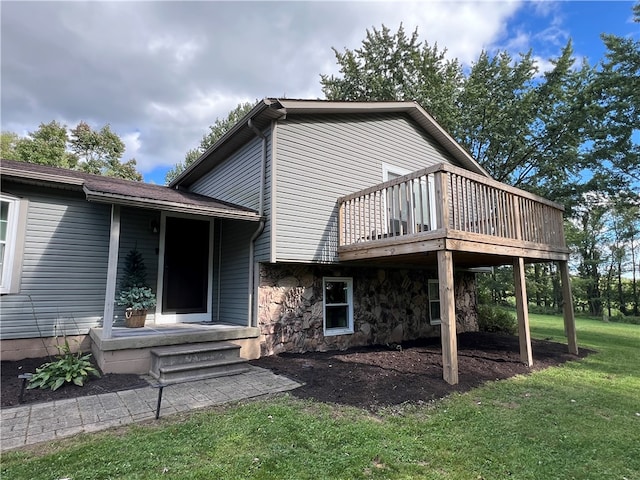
<point x="97" y="151"/>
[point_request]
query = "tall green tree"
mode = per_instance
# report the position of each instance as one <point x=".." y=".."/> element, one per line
<point x="8" y="142"/>
<point x="616" y="112"/>
<point x="100" y="152"/>
<point x="46" y="146"/>
<point x="82" y="148"/>
<point x="524" y="128"/>
<point x="216" y="131"/>
<point x="395" y="66"/>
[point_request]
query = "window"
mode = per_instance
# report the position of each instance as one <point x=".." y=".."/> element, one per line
<point x="11" y="214"/>
<point x="338" y="305"/>
<point x="434" y="302"/>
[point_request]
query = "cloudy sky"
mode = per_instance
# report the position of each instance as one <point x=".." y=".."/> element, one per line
<point x="160" y="72"/>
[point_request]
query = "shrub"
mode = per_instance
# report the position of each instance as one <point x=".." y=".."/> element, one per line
<point x="492" y="319"/>
<point x="137" y="298"/>
<point x="135" y="293"/>
<point x="68" y="368"/>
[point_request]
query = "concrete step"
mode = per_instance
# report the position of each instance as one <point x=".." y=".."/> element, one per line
<point x="196" y="361"/>
<point x="199" y="371"/>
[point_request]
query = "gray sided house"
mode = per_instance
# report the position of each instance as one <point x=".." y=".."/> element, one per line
<point x="311" y="225"/>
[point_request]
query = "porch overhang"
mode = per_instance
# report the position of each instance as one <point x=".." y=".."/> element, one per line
<point x="213" y="210"/>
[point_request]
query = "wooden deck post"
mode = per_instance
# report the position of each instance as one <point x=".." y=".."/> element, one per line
<point x="447" y="318"/>
<point x="522" y="308"/>
<point x="567" y="308"/>
<point x="112" y="271"/>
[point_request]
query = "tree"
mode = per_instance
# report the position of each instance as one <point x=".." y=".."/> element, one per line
<point x="92" y="151"/>
<point x="616" y="112"/>
<point x="8" y="142"/>
<point x="397" y="67"/>
<point x="46" y="146"/>
<point x="525" y="129"/>
<point x="99" y="152"/>
<point x="216" y="131"/>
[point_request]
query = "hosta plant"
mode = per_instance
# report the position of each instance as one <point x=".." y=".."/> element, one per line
<point x="68" y="368"/>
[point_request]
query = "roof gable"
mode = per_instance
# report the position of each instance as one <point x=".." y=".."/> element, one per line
<point x="270" y="109"/>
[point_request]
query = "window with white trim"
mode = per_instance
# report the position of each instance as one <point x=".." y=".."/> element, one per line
<point x="10" y="212"/>
<point x="434" y="302"/>
<point x="337" y="301"/>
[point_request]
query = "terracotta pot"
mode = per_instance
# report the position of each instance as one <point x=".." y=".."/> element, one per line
<point x="134" y="318"/>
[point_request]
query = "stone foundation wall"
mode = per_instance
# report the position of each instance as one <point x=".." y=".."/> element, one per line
<point x="390" y="306"/>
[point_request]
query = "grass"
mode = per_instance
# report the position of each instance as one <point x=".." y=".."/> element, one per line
<point x="577" y="421"/>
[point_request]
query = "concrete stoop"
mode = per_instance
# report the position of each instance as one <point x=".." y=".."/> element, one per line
<point x="196" y="361"/>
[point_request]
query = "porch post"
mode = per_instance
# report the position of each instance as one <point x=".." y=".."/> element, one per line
<point x="447" y="318"/>
<point x="112" y="272"/>
<point x="567" y="308"/>
<point x="522" y="309"/>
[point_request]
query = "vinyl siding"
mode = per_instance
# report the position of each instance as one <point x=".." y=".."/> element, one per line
<point x="237" y="180"/>
<point x="231" y="271"/>
<point x="64" y="266"/>
<point x="321" y="159"/>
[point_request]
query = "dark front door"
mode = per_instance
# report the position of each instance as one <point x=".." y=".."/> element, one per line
<point x="186" y="266"/>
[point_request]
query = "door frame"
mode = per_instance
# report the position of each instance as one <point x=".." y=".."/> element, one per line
<point x="429" y="185"/>
<point x="168" y="318"/>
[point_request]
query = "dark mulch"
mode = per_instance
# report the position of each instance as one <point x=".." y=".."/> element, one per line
<point x="374" y="377"/>
<point x="367" y="377"/>
<point x="10" y="384"/>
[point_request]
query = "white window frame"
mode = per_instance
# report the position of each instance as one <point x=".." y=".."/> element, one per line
<point x="433" y="283"/>
<point x="349" y="304"/>
<point x="14" y="244"/>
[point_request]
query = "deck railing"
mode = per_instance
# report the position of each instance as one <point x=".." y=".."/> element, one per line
<point x="446" y="198"/>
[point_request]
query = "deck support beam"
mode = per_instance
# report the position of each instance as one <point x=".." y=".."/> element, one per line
<point x="567" y="308"/>
<point x="522" y="309"/>
<point x="112" y="272"/>
<point x="448" y="318"/>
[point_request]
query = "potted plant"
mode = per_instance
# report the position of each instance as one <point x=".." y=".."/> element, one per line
<point x="135" y="294"/>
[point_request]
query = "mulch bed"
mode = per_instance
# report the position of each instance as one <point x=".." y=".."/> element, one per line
<point x="374" y="377"/>
<point x="10" y="384"/>
<point x="367" y="377"/>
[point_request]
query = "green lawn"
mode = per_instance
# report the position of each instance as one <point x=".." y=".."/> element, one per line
<point x="578" y="421"/>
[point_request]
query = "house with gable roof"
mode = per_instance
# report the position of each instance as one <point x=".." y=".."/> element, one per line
<point x="310" y="225"/>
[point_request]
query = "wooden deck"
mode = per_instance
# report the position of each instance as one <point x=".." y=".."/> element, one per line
<point x="449" y="217"/>
<point x="481" y="221"/>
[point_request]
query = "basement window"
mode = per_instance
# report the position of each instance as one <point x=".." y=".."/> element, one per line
<point x="338" y="305"/>
<point x="434" y="302"/>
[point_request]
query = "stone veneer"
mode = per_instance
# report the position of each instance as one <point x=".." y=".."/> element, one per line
<point x="390" y="306"/>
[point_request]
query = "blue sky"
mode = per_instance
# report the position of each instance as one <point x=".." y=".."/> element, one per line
<point x="160" y="72"/>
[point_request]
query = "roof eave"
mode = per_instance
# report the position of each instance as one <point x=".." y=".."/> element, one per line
<point x="40" y="177"/>
<point x="175" y="207"/>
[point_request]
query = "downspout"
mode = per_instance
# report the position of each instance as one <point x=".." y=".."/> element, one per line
<point x="253" y="318"/>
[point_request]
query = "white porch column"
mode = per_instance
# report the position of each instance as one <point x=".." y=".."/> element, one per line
<point x="448" y="318"/>
<point x="112" y="272"/>
<point x="522" y="309"/>
<point x="567" y="308"/>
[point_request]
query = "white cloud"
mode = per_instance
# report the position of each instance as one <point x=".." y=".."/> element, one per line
<point x="132" y="144"/>
<point x="161" y="72"/>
